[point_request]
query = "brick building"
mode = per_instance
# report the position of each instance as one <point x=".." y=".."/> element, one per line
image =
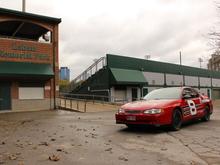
<point x="214" y="61"/>
<point x="29" y="69"/>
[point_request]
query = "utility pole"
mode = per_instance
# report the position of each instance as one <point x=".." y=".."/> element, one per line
<point x="23" y="5"/>
<point x="180" y="58"/>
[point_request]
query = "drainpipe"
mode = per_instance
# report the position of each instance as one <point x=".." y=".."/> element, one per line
<point x="54" y="66"/>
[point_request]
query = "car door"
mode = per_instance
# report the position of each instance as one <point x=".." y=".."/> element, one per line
<point x="191" y="104"/>
<point x="198" y="103"/>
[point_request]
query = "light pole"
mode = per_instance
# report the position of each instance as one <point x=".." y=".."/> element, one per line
<point x="200" y="62"/>
<point x="147" y="57"/>
<point x="180" y="58"/>
<point x="23" y="5"/>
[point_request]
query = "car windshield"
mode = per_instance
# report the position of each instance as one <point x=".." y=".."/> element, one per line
<point x="164" y="93"/>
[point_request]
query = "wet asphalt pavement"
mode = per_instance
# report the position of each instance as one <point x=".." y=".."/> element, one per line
<point x="63" y="137"/>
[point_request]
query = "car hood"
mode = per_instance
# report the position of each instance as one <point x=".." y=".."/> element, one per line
<point x="149" y="104"/>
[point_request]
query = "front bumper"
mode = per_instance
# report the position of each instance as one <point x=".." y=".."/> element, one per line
<point x="156" y="119"/>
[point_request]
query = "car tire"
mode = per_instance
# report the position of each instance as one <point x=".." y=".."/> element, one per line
<point x="206" y="117"/>
<point x="131" y="126"/>
<point x="176" y="120"/>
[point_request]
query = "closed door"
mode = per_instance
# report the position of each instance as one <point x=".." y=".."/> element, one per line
<point x="5" y="96"/>
<point x="134" y="94"/>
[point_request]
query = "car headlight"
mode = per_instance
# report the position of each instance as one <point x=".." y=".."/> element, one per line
<point x="153" y="111"/>
<point x="121" y="110"/>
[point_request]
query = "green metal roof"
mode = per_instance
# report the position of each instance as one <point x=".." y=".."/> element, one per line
<point x="30" y="16"/>
<point x="8" y="69"/>
<point x="125" y="76"/>
<point x="122" y="62"/>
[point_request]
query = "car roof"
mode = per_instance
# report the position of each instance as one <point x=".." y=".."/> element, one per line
<point x="182" y="87"/>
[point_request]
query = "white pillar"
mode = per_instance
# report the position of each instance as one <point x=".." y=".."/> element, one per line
<point x="129" y="94"/>
<point x="112" y="94"/>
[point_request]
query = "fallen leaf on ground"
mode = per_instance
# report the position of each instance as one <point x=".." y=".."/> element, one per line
<point x="52" y="139"/>
<point x="59" y="149"/>
<point x="163" y="149"/>
<point x="122" y="158"/>
<point x="43" y="144"/>
<point x="30" y="143"/>
<point x="192" y="163"/>
<point x="54" y="158"/>
<point x="12" y="157"/>
<point x="109" y="149"/>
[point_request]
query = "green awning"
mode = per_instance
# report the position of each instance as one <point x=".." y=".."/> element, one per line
<point x="19" y="69"/>
<point x="125" y="76"/>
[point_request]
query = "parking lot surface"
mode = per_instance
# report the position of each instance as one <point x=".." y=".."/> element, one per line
<point x="63" y="137"/>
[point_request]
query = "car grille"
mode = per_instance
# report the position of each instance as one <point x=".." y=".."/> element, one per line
<point x="132" y="111"/>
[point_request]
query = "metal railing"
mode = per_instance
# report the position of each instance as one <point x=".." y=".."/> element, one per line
<point x="102" y="98"/>
<point x="91" y="70"/>
<point x="79" y="102"/>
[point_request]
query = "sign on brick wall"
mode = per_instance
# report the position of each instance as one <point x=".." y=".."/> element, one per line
<point x="24" y="51"/>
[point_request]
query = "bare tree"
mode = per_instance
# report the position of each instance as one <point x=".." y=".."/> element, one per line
<point x="214" y="34"/>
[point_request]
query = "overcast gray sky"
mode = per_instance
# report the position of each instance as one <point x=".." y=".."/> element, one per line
<point x="159" y="28"/>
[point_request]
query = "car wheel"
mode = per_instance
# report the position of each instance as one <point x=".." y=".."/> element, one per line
<point x="176" y="120"/>
<point x="206" y="117"/>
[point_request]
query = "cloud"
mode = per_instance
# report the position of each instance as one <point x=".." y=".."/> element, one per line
<point x="161" y="28"/>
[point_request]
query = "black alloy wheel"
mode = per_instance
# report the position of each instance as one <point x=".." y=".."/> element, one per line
<point x="206" y="117"/>
<point x="176" y="120"/>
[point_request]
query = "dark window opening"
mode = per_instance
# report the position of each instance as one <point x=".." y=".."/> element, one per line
<point x="25" y="30"/>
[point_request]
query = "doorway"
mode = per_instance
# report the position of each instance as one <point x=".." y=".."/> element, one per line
<point x="5" y="96"/>
<point x="144" y="91"/>
<point x="134" y="94"/>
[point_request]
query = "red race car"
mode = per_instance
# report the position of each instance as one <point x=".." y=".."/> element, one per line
<point x="166" y="106"/>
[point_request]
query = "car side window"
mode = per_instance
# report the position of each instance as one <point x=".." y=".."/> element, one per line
<point x="189" y="93"/>
<point x="195" y="94"/>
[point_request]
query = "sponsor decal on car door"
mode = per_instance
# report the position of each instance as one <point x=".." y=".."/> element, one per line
<point x="192" y="107"/>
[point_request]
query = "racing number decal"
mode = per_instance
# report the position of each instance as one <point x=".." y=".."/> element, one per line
<point x="192" y="107"/>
